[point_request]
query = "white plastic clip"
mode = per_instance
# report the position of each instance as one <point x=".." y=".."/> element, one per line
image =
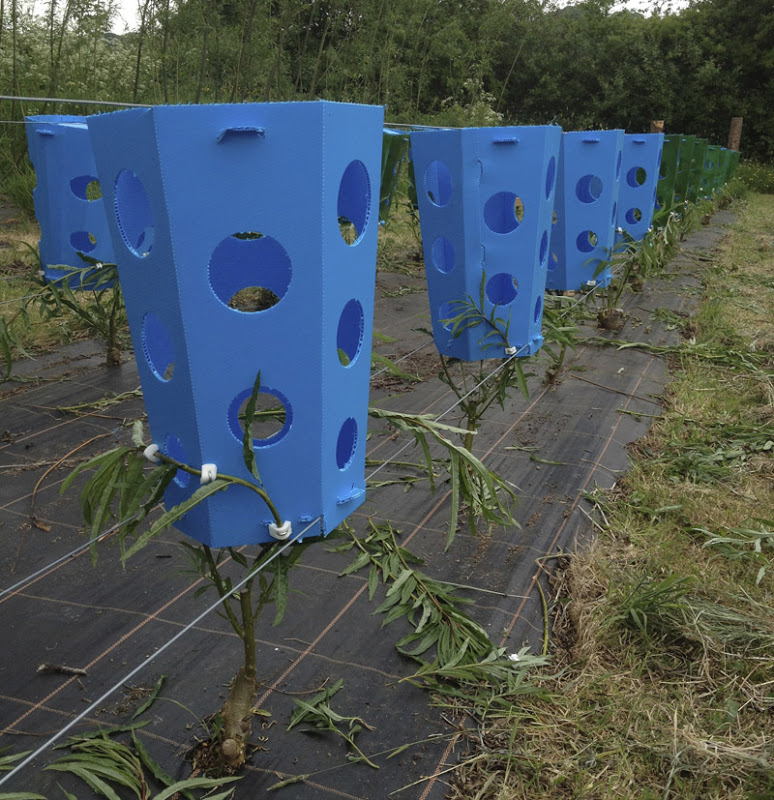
<point x="150" y="452"/>
<point x="510" y="351"/>
<point x="591" y="284"/>
<point x="209" y="473"/>
<point x="619" y="229"/>
<point x="281" y="532"/>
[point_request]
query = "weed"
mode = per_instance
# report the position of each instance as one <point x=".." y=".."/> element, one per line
<point x="318" y="712"/>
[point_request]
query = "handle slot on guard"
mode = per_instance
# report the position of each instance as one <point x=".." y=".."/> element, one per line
<point x="240" y="130"/>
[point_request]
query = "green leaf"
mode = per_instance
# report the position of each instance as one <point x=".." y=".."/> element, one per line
<point x="153" y="695"/>
<point x="174" y="514"/>
<point x="94" y="782"/>
<point x="197" y="783"/>
<point x="280" y="568"/>
<point x="248" y="451"/>
<point x="373" y="581"/>
<point x="154" y="768"/>
<point x="137" y="433"/>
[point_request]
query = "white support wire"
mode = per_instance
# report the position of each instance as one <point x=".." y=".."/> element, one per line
<point x="577" y="301"/>
<point x="21" y="299"/>
<point x="71" y="101"/>
<point x="450" y="409"/>
<point x="402" y="358"/>
<point x="24" y="581"/>
<point x="238" y="586"/>
<point x="97" y="703"/>
<point x="81" y="547"/>
<point x="98" y="538"/>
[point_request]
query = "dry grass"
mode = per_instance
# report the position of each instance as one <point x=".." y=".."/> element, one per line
<point x="31" y="330"/>
<point x="664" y="647"/>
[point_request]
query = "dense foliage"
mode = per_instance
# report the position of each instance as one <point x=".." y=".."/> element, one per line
<point x="439" y="61"/>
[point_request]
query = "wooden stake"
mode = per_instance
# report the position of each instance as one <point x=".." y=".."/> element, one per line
<point x="657" y="126"/>
<point x="735" y="134"/>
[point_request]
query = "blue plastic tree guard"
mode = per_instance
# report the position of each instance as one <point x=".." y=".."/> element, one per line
<point x="639" y="180"/>
<point x="586" y="209"/>
<point x="68" y="196"/>
<point x="246" y="239"/>
<point x="485" y="199"/>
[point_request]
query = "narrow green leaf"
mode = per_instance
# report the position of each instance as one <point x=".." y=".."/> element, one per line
<point x="248" y="451"/>
<point x="174" y="514"/>
<point x="280" y="588"/>
<point x="195" y="783"/>
<point x="373" y="581"/>
<point x="95" y="783"/>
<point x="153" y="695"/>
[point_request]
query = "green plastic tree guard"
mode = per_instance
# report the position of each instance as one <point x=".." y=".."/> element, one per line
<point x="695" y="187"/>
<point x="683" y="176"/>
<point x="670" y="157"/>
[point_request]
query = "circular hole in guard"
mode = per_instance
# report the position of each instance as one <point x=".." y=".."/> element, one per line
<point x="442" y="254"/>
<point x="133" y="213"/>
<point x="586" y="241"/>
<point x="174" y="449"/>
<point x="633" y="216"/>
<point x="346" y="443"/>
<point x="157" y="347"/>
<point x="503" y="212"/>
<point x="538" y="309"/>
<point x="438" y="183"/>
<point x="83" y="241"/>
<point x="272" y="418"/>
<point x="618" y="165"/>
<point x="354" y="202"/>
<point x="502" y="289"/>
<point x="86" y="187"/>
<point x="543" y="248"/>
<point x="249" y="272"/>
<point x="636" y="176"/>
<point x="589" y="188"/>
<point x="550" y="176"/>
<point x="349" y="336"/>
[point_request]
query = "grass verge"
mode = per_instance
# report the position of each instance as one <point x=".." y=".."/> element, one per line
<point x="663" y="628"/>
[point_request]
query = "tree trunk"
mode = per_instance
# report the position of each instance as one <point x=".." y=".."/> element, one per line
<point x="237" y="718"/>
<point x="735" y="134"/>
<point x="237" y="710"/>
<point x="246" y="34"/>
<point x="138" y="61"/>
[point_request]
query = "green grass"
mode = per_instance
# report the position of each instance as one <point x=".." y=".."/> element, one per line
<point x="27" y="328"/>
<point x="663" y="630"/>
<point x="756" y="177"/>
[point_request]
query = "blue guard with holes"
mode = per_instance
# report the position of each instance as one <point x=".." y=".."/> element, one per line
<point x="639" y="181"/>
<point x="246" y="242"/>
<point x="586" y="210"/>
<point x="68" y="199"/>
<point x="485" y="198"/>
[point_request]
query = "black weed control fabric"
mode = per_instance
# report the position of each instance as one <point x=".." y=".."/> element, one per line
<point x="566" y="440"/>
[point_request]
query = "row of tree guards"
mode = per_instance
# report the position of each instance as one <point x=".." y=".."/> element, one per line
<point x="245" y="238"/>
